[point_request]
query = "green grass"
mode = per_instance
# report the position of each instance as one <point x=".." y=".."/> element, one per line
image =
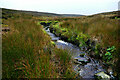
<point x="100" y="27"/>
<point x="27" y="50"/>
<point x="65" y="63"/>
<point x="104" y="29"/>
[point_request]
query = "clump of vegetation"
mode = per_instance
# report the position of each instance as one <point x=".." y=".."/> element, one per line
<point x="99" y="29"/>
<point x="65" y="63"/>
<point x="117" y="18"/>
<point x="109" y="52"/>
<point x="28" y="52"/>
<point x="47" y="23"/>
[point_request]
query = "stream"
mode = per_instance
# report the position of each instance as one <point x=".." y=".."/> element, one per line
<point x="85" y="66"/>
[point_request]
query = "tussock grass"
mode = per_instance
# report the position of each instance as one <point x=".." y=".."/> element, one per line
<point x="101" y="27"/>
<point x="27" y="51"/>
<point x="65" y="63"/>
<point x="106" y="30"/>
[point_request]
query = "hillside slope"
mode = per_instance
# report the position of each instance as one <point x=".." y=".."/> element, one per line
<point x="35" y="13"/>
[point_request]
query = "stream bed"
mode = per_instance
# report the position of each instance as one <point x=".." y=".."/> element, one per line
<point x="83" y="65"/>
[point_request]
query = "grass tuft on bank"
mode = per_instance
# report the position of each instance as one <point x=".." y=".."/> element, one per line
<point x="27" y="51"/>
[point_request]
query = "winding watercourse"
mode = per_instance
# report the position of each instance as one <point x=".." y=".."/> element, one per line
<point x="83" y="65"/>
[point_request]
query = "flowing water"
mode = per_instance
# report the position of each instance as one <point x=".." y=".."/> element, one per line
<point x="86" y="67"/>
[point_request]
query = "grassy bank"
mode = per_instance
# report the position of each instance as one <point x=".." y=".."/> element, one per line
<point x="27" y="51"/>
<point x="100" y="33"/>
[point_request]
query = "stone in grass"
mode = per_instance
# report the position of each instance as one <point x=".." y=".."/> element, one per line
<point x="80" y="60"/>
<point x="102" y="75"/>
<point x="76" y="62"/>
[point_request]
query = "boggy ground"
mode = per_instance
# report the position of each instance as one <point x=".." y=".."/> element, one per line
<point x="99" y="33"/>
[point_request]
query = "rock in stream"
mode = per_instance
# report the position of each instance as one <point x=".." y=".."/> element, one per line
<point x="81" y="60"/>
<point x="102" y="75"/>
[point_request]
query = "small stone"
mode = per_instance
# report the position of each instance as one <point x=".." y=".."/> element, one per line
<point x="109" y="70"/>
<point x="77" y="62"/>
<point x="102" y="75"/>
<point x="101" y="55"/>
<point x="81" y="60"/>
